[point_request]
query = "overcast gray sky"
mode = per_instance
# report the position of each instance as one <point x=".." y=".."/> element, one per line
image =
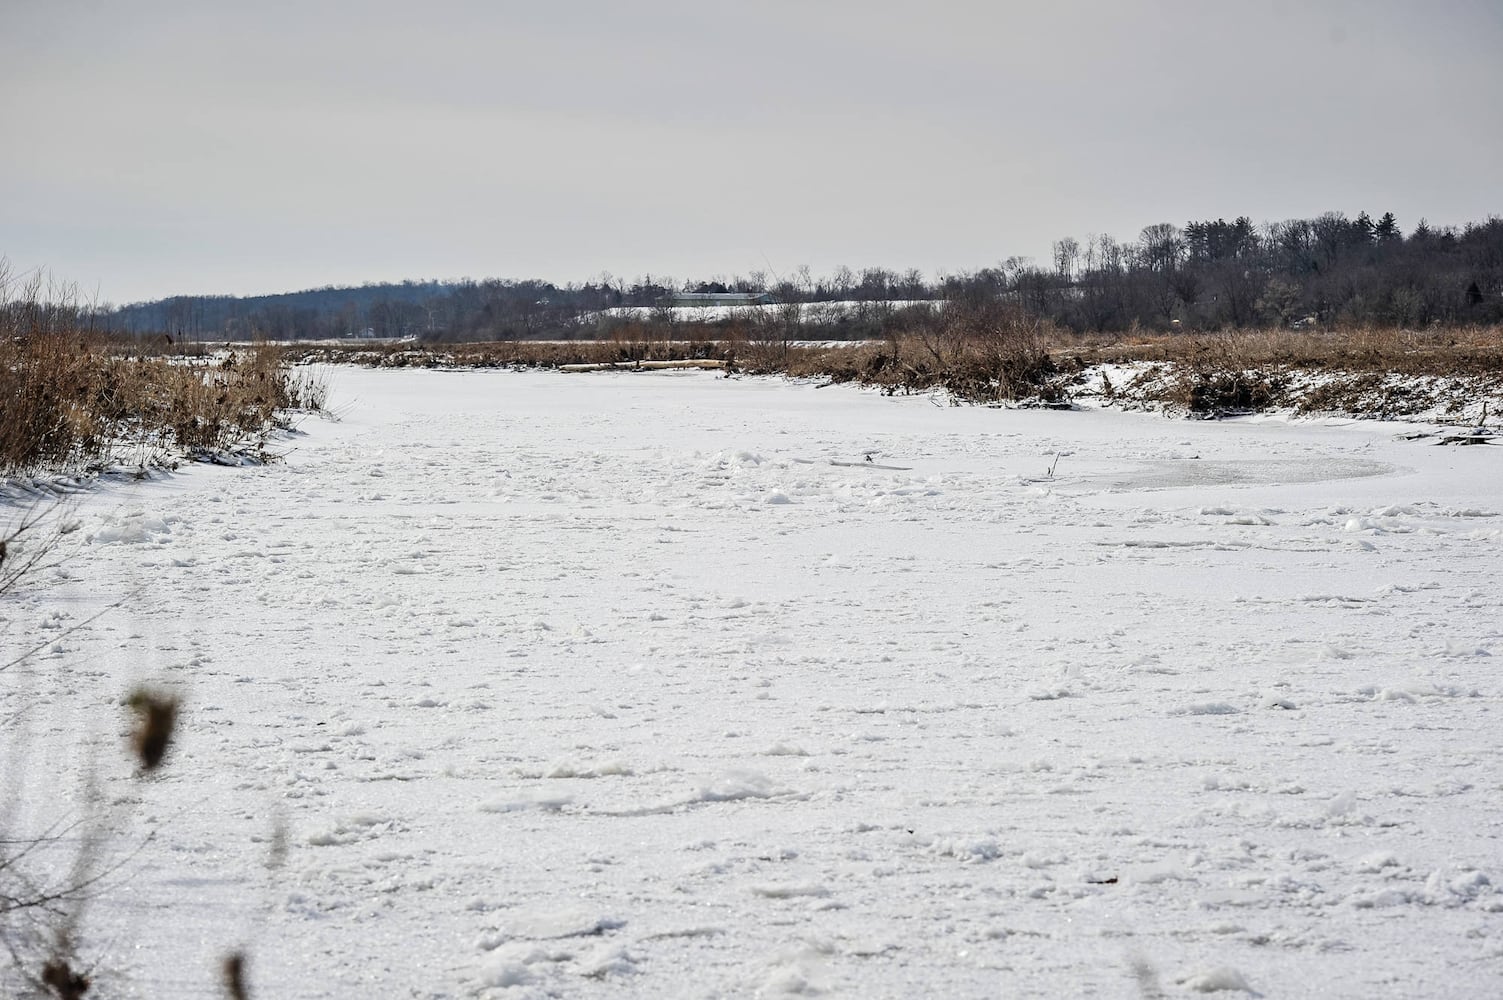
<point x="154" y="148"/>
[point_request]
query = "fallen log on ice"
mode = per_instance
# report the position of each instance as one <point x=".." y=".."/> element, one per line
<point x="643" y="365"/>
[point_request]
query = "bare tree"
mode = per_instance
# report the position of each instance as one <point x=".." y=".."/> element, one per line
<point x="1162" y="247"/>
<point x="1066" y="253"/>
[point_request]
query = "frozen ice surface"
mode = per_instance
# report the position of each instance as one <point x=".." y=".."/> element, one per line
<point x="525" y="685"/>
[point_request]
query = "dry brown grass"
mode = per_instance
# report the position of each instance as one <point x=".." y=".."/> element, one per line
<point x="1455" y="351"/>
<point x="74" y="401"/>
<point x="1000" y="357"/>
<point x="627" y="345"/>
<point x="981" y="355"/>
<point x="983" y="352"/>
<point x="1363" y="371"/>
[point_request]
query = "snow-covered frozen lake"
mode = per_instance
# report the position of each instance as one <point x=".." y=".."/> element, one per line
<point x="672" y="685"/>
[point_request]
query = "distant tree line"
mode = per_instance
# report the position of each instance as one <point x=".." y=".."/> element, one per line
<point x="1205" y="275"/>
<point x="1220" y="274"/>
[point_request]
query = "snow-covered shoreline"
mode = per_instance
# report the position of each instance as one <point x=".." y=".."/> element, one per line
<point x="674" y="685"/>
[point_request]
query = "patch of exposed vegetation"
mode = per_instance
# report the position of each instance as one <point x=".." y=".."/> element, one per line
<point x="73" y="400"/>
<point x="989" y="352"/>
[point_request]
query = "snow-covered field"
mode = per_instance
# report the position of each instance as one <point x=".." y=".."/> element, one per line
<point x="808" y="312"/>
<point x="672" y="685"/>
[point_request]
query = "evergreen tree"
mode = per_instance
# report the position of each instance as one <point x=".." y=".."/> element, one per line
<point x="1363" y="229"/>
<point x="1387" y="229"/>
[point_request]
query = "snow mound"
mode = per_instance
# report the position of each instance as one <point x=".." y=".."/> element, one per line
<point x="520" y="963"/>
<point x="137" y="528"/>
<point x="734" y="459"/>
<point x="1214" y="979"/>
<point x="607" y="960"/>
<point x="736" y="785"/>
<point x="966" y="850"/>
